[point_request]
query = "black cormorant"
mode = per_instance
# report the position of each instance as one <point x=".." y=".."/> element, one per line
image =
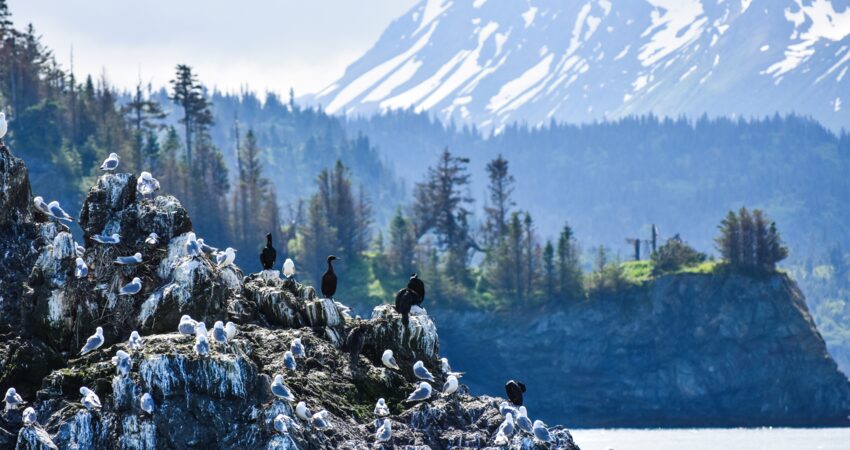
<point x="416" y="285"/>
<point x="515" y="389"/>
<point x="355" y="341"/>
<point x="269" y="254"/>
<point x="404" y="299"/>
<point x="329" y="279"/>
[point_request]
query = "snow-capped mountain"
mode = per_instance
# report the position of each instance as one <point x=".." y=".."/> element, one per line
<point x="493" y="62"/>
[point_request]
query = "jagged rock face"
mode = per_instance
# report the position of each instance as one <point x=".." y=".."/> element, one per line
<point x="692" y="350"/>
<point x="416" y="342"/>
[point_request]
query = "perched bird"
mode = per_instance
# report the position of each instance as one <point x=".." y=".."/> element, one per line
<point x="136" y="343"/>
<point x="39" y="204"/>
<point x="355" y="341"/>
<point x="90" y="400"/>
<point x="131" y="288"/>
<point x="280" y="390"/>
<point x="114" y="238"/>
<point x="283" y="423"/>
<point x="288" y="268"/>
<point x="289" y="360"/>
<point x="111" y="162"/>
<point x="320" y="420"/>
<point x="202" y="346"/>
<point x="329" y="279"/>
<point x="507" y="426"/>
<point x="29" y="417"/>
<point x="418" y="286"/>
<point x="136" y="258"/>
<point x="4" y="126"/>
<point x="147" y="404"/>
<point x="206" y="248"/>
<point x="13" y="399"/>
<point x="201" y="329"/>
<point x="404" y="300"/>
<point x="297" y="348"/>
<point x="230" y="330"/>
<point x="146" y="184"/>
<point x="152" y="239"/>
<point x="447" y="369"/>
<point x="193" y="248"/>
<point x="81" y="270"/>
<point x="450" y="386"/>
<point x="507" y="407"/>
<point x="227" y="258"/>
<point x="540" y="431"/>
<point x="219" y="333"/>
<point x="269" y="254"/>
<point x="187" y="325"/>
<point x="302" y="411"/>
<point x="389" y="360"/>
<point x="122" y="362"/>
<point x="57" y="212"/>
<point x="422" y="372"/>
<point x="381" y="408"/>
<point x="385" y="432"/>
<point x="423" y="392"/>
<point x="79" y="250"/>
<point x="515" y="389"/>
<point x="93" y="342"/>
<point x="523" y="422"/>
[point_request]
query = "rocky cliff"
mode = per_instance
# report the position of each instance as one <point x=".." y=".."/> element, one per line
<point x="219" y="400"/>
<point x="691" y="350"/>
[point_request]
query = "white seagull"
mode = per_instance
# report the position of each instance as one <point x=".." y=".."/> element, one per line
<point x="29" y="417"/>
<point x="297" y="348"/>
<point x="226" y="258"/>
<point x="201" y="329"/>
<point x="421" y="393"/>
<point x="447" y="369"/>
<point x="136" y="258"/>
<point x="302" y="411"/>
<point x="147" y="404"/>
<point x="58" y="213"/>
<point x="289" y="360"/>
<point x="39" y="204"/>
<point x="540" y="431"/>
<point x="219" y="333"/>
<point x="523" y="422"/>
<point x="202" y="346"/>
<point x="450" y="386"/>
<point x="381" y="408"/>
<point x="282" y="423"/>
<point x="320" y="420"/>
<point x="111" y="162"/>
<point x="146" y="184"/>
<point x="389" y="360"/>
<point x="422" y="372"/>
<point x="505" y="408"/>
<point x="192" y="247"/>
<point x="288" y="268"/>
<point x="131" y="288"/>
<point x="90" y="400"/>
<point x="280" y="390"/>
<point x="136" y="342"/>
<point x="93" y="342"/>
<point x="81" y="270"/>
<point x="152" y="239"/>
<point x="113" y="238"/>
<point x="187" y="325"/>
<point x="13" y="399"/>
<point x="230" y="328"/>
<point x="206" y="248"/>
<point x="122" y="363"/>
<point x="385" y="432"/>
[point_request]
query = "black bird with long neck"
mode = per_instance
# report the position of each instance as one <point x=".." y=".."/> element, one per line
<point x="418" y="286"/>
<point x="269" y="254"/>
<point x="329" y="279"/>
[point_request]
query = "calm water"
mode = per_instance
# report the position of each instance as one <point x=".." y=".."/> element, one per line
<point x="713" y="439"/>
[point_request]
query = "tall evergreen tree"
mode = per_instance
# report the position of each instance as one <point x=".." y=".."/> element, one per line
<point x="188" y="94"/>
<point x="499" y="189"/>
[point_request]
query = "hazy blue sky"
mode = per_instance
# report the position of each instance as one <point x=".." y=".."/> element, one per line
<point x="267" y="44"/>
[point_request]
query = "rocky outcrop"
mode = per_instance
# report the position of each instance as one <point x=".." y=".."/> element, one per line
<point x="220" y="400"/>
<point x="692" y="350"/>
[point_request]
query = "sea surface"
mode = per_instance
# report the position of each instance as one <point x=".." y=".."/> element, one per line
<point x="714" y="439"/>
